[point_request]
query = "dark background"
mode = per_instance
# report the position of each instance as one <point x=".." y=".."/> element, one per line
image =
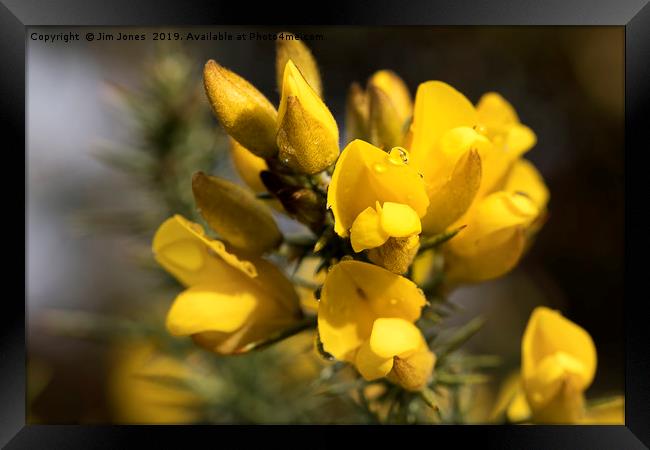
<point x="565" y="82"/>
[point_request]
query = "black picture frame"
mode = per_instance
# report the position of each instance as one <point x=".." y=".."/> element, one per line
<point x="633" y="15"/>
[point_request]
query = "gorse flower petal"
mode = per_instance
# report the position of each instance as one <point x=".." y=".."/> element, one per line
<point x="234" y="213"/>
<point x="307" y="132"/>
<point x="229" y="302"/>
<point x="493" y="240"/>
<point x="438" y="108"/>
<point x="183" y="249"/>
<point x="244" y="112"/>
<point x="364" y="175"/>
<point x="524" y="178"/>
<point x="292" y="49"/>
<point x="374" y="226"/>
<point x="248" y="166"/>
<point x="397" y="350"/>
<point x="500" y="123"/>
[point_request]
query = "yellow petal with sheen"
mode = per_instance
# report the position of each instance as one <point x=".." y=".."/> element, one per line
<point x="438" y="108"/>
<point x="394" y="337"/>
<point x="399" y="220"/>
<point x="367" y="232"/>
<point x="182" y="248"/>
<point x="210" y="308"/>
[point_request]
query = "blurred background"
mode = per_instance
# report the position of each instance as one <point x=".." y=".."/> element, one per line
<point x="89" y="224"/>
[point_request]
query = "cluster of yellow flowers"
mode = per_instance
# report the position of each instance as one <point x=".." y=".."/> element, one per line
<point x="437" y="179"/>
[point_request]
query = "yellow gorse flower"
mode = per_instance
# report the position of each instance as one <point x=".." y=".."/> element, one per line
<point x="365" y="175"/>
<point x="377" y="199"/>
<point x="229" y="303"/>
<point x="366" y="317"/>
<point x="558" y="365"/>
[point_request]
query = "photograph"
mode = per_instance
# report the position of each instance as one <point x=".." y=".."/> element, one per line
<point x="325" y="225"/>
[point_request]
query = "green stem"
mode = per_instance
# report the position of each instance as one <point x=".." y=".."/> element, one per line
<point x="438" y="239"/>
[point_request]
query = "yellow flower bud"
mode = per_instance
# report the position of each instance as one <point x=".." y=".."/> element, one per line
<point x="355" y="294"/>
<point x="308" y="137"/>
<point x="365" y="175"/>
<point x="413" y="371"/>
<point x="493" y="240"/>
<point x="292" y="49"/>
<point x="244" y="112"/>
<point x="396" y="90"/>
<point x="390" y="108"/>
<point x="357" y="114"/>
<point x="248" y="166"/>
<point x="228" y="303"/>
<point x="385" y="124"/>
<point x="233" y="212"/>
<point x="558" y="365"/>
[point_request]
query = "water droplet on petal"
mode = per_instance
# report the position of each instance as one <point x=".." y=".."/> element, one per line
<point x="399" y="156"/>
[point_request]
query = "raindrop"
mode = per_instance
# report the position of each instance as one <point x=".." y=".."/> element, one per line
<point x="398" y="155"/>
